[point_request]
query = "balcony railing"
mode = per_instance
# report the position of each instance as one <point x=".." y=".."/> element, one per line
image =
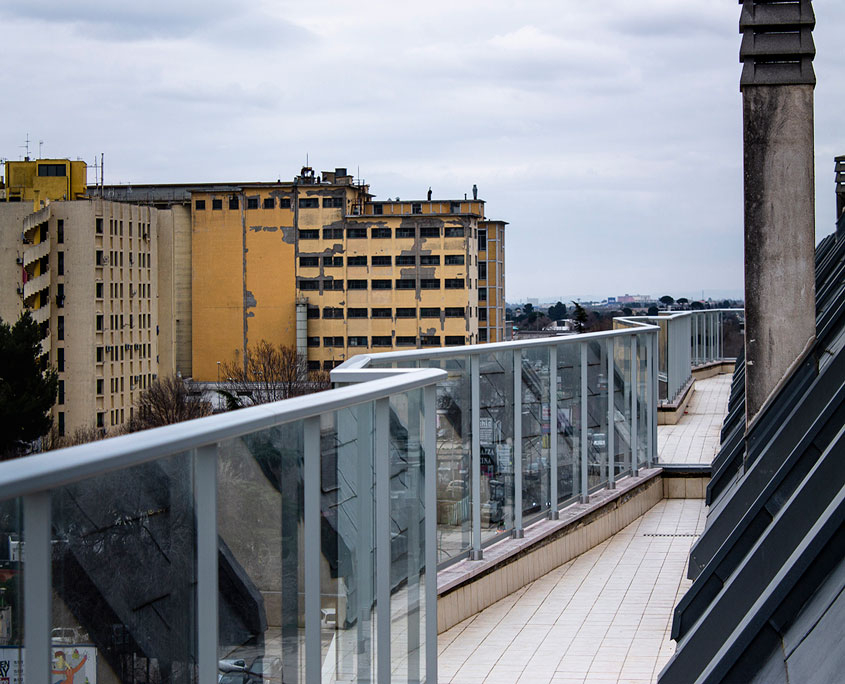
<point x="36" y="284"/>
<point x="304" y="520"/>
<point x="525" y="428"/>
<point x="36" y="252"/>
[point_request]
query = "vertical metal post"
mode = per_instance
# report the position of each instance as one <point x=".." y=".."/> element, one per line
<point x="611" y="417"/>
<point x="635" y="456"/>
<point x="37" y="587"/>
<point x="382" y="456"/>
<point x="655" y="396"/>
<point x="695" y="339"/>
<point x="365" y="546"/>
<point x="585" y="487"/>
<point x="518" y="532"/>
<point x="430" y="448"/>
<point x="311" y="457"/>
<point x="651" y="408"/>
<point x="553" y="493"/>
<point x="475" y="396"/>
<point x="205" y="495"/>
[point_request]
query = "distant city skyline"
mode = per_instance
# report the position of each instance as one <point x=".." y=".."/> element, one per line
<point x="607" y="134"/>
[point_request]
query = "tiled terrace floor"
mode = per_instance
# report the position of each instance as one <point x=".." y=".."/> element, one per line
<point x="695" y="439"/>
<point x="605" y="616"/>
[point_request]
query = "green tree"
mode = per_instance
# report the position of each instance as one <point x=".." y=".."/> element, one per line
<point x="557" y="311"/>
<point x="667" y="300"/>
<point x="683" y="301"/>
<point x="27" y="387"/>
<point x="579" y="315"/>
<point x="652" y="311"/>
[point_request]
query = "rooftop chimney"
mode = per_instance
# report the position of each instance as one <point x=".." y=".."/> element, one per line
<point x="777" y="102"/>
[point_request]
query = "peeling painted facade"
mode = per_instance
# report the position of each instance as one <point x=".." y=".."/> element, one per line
<point x="375" y="275"/>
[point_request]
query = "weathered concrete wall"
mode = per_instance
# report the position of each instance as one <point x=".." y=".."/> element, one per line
<point x="779" y="233"/>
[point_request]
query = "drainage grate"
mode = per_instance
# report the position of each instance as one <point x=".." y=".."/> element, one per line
<point x="656" y="534"/>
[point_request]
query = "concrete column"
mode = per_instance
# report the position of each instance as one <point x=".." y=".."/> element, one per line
<point x="777" y="95"/>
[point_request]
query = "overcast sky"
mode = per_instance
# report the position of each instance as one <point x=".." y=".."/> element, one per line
<point x="608" y="134"/>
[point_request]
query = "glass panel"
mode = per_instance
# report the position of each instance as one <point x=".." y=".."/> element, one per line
<point x="124" y="576"/>
<point x="535" y="430"/>
<point x="454" y="444"/>
<point x="663" y="362"/>
<point x="733" y="340"/>
<point x="347" y="596"/>
<point x="596" y="413"/>
<point x="622" y="404"/>
<point x="262" y="585"/>
<point x="568" y="426"/>
<point x="496" y="438"/>
<point x="642" y="399"/>
<point x="407" y="536"/>
<point x="11" y="588"/>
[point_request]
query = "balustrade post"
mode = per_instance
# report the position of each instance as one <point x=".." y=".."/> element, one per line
<point x="611" y="417"/>
<point x="583" y="429"/>
<point x="518" y="531"/>
<point x="553" y="496"/>
<point x="635" y="457"/>
<point x="476" y="553"/>
<point x="205" y="496"/>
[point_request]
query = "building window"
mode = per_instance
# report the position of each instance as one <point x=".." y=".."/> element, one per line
<point x="52" y="170"/>
<point x="429" y="232"/>
<point x="482" y="314"/>
<point x="269" y="203"/>
<point x="406" y="341"/>
<point x="333" y="203"/>
<point x="60" y="265"/>
<point x="60" y="328"/>
<point x="357" y="313"/>
<point x="381" y="284"/>
<point x="60" y="359"/>
<point x="455" y="312"/>
<point x="99" y="322"/>
<point x="454" y="207"/>
<point x="199" y="205"/>
<point x="357" y="341"/>
<point x="455" y="283"/>
<point x="405" y="233"/>
<point x="313" y="312"/>
<point x="101" y="419"/>
<point x="99" y="355"/>
<point x="429" y="312"/>
<point x="430" y="340"/>
<point x="233" y="202"/>
<point x="381" y="233"/>
<point x="309" y="203"/>
<point x="380" y="261"/>
<point x="309" y="285"/>
<point x="252" y="202"/>
<point x="216" y="203"/>
<point x="356" y="261"/>
<point x="356" y="284"/>
<point x="482" y="334"/>
<point x="98" y="226"/>
<point x="482" y="270"/>
<point x="332" y="284"/>
<point x="382" y="341"/>
<point x="332" y="312"/>
<point x="61" y="423"/>
<point x="313" y="341"/>
<point x="309" y="234"/>
<point x="406" y="260"/>
<point x="99" y="386"/>
<point x="332" y="262"/>
<point x="406" y="284"/>
<point x="313" y="365"/>
<point x="455" y="340"/>
<point x="309" y="261"/>
<point x="406" y="312"/>
<point x="60" y="231"/>
<point x="60" y="295"/>
<point x="333" y="233"/>
<point x="378" y="209"/>
<point x="356" y="233"/>
<point x="328" y="365"/>
<point x="454" y="231"/>
<point x="429" y="260"/>
<point x="482" y="240"/>
<point x="429" y="284"/>
<point x="482" y="294"/>
<point x="416" y="208"/>
<point x="454" y="259"/>
<point x="332" y="341"/>
<point x="381" y="313"/>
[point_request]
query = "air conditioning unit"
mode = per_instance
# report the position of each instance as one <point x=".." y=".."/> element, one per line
<point x="108" y="348"/>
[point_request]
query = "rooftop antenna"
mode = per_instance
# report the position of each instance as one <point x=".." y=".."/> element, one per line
<point x="26" y="147"/>
<point x="40" y="145"/>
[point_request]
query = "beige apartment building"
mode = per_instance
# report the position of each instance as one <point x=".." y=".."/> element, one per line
<point x="89" y="271"/>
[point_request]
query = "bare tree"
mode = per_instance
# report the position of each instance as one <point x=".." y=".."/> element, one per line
<point x="269" y="373"/>
<point x="167" y="400"/>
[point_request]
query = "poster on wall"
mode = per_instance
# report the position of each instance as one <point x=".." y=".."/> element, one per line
<point x="71" y="664"/>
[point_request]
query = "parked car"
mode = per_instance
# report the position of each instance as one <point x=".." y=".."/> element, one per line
<point x="68" y="635"/>
<point x="265" y="669"/>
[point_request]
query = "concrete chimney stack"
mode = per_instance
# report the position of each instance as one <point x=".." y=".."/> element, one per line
<point x="777" y="105"/>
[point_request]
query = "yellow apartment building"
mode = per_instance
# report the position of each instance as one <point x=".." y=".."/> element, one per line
<point x="321" y="264"/>
<point x="41" y="180"/>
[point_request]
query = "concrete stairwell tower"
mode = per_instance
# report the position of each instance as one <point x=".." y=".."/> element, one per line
<point x="777" y="105"/>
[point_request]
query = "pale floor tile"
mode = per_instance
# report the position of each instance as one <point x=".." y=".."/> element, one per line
<point x="695" y="438"/>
